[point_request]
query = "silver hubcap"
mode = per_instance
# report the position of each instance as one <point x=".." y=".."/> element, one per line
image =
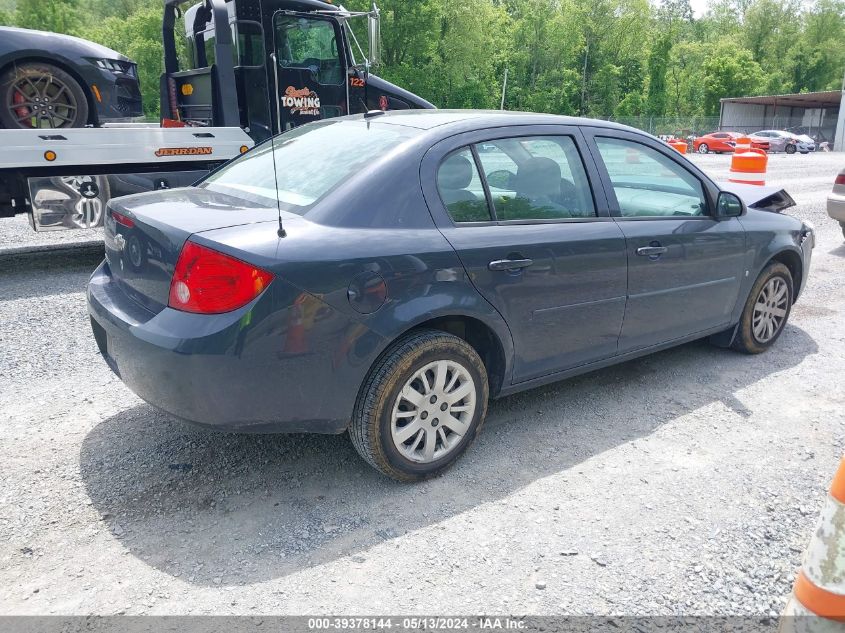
<point x="770" y="310"/>
<point x="702" y="149"/>
<point x="433" y="411"/>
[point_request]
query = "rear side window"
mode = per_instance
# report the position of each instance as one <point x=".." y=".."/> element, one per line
<point x="536" y="178"/>
<point x="460" y="188"/>
<point x="649" y="184"/>
<point x="301" y="166"/>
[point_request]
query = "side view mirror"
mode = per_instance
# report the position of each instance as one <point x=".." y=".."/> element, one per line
<point x="729" y="205"/>
<point x="374" y="35"/>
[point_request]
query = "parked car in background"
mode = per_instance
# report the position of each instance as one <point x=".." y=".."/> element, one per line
<point x="781" y="141"/>
<point x="49" y="80"/>
<point x="836" y="201"/>
<point x="390" y="277"/>
<point x="806" y="141"/>
<point x="718" y="142"/>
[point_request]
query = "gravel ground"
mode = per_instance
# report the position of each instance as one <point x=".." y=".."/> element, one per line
<point x="686" y="482"/>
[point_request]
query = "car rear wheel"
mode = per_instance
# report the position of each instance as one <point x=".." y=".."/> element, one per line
<point x="703" y="149"/>
<point x="766" y="310"/>
<point x="421" y="406"/>
<point x="39" y="95"/>
<point x="790" y="149"/>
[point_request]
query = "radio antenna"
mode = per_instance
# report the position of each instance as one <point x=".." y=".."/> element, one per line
<point x="281" y="230"/>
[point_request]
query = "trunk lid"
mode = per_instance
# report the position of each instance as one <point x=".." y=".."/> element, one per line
<point x="142" y="256"/>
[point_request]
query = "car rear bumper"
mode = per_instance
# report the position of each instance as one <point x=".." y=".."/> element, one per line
<point x="836" y="206"/>
<point x="251" y="370"/>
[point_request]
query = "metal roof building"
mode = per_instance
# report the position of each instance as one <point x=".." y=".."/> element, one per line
<point x="819" y="114"/>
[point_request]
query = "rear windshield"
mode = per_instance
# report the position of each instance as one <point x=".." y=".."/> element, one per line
<point x="310" y="161"/>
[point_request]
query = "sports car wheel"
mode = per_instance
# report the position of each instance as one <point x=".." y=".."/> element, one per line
<point x="766" y="310"/>
<point x="421" y="406"/>
<point x="39" y="95"/>
<point x="790" y="149"/>
<point x="703" y="149"/>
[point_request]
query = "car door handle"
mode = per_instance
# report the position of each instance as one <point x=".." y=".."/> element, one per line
<point x="510" y="264"/>
<point x="651" y="251"/>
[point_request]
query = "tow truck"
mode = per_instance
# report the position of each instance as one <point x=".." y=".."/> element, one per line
<point x="244" y="71"/>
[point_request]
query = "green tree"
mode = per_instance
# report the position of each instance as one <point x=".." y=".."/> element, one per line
<point x="729" y="71"/>
<point x="658" y="61"/>
<point x="61" y="16"/>
<point x="139" y="38"/>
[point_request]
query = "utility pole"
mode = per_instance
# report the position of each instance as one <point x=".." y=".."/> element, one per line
<point x="584" y="78"/>
<point x="504" y="89"/>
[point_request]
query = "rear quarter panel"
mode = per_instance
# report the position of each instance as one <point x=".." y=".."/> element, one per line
<point x="414" y="276"/>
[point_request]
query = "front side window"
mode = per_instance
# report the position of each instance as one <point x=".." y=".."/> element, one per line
<point x="308" y="44"/>
<point x="649" y="184"/>
<point x="310" y="161"/>
<point x="536" y="178"/>
<point x="460" y="188"/>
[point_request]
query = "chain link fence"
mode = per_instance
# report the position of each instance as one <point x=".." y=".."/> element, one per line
<point x="679" y="127"/>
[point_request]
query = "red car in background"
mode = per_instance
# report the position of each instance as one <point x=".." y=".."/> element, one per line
<point x="724" y="142"/>
<point x="715" y="142"/>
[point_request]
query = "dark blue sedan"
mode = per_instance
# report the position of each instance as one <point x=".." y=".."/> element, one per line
<point x="387" y="274"/>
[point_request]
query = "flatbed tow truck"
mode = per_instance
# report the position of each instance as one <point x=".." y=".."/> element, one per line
<point x="246" y="70"/>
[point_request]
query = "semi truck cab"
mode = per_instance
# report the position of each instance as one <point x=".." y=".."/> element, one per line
<point x="270" y="65"/>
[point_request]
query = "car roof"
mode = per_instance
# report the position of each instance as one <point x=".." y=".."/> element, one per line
<point x="424" y="119"/>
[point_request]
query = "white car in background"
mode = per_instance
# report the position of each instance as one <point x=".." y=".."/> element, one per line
<point x="836" y="201"/>
<point x="781" y="141"/>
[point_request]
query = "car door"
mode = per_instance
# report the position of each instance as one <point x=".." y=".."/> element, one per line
<point x="535" y="239"/>
<point x="309" y="70"/>
<point x="684" y="266"/>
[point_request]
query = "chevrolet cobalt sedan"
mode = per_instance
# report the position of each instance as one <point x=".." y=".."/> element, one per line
<point x="387" y="274"/>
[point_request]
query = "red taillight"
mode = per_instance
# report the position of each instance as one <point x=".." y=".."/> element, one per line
<point x="123" y="220"/>
<point x="840" y="179"/>
<point x="208" y="282"/>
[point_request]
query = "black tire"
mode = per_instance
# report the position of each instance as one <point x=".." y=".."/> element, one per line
<point x="746" y="340"/>
<point x="370" y="429"/>
<point x="703" y="149"/>
<point x="40" y="95"/>
<point x="790" y="149"/>
<point x="842" y="226"/>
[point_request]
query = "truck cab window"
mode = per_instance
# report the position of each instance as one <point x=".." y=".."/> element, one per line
<point x="308" y="43"/>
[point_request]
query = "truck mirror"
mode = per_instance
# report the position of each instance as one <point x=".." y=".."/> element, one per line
<point x="374" y="34"/>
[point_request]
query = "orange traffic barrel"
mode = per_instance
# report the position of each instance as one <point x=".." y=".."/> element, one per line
<point x="819" y="589"/>
<point x="743" y="143"/>
<point x="748" y="166"/>
<point x="679" y="145"/>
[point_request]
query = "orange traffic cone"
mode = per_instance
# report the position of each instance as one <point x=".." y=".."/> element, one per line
<point x="748" y="165"/>
<point x="819" y="592"/>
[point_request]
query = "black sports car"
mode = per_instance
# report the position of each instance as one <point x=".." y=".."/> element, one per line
<point x="49" y="80"/>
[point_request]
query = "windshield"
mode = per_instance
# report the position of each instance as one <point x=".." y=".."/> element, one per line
<point x="312" y="160"/>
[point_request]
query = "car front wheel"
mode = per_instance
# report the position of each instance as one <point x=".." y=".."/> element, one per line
<point x="39" y="95"/>
<point x="790" y="149"/>
<point x="703" y="149"/>
<point x="766" y="310"/>
<point x="422" y="404"/>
